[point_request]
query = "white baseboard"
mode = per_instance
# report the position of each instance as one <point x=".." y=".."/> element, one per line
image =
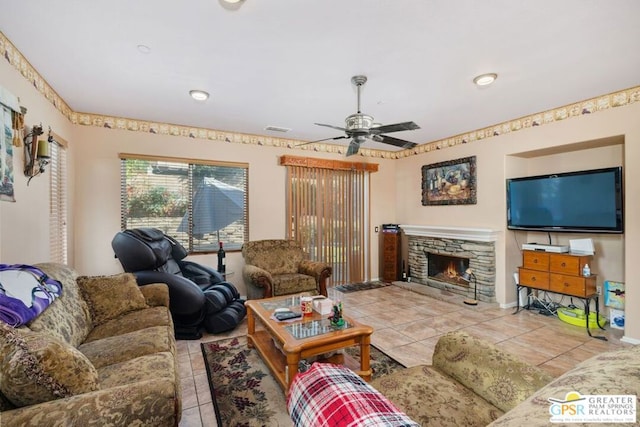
<point x="630" y="340"/>
<point x="509" y="305"/>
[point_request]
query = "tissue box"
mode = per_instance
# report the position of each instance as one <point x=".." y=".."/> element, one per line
<point x="616" y="318"/>
<point x="323" y="306"/>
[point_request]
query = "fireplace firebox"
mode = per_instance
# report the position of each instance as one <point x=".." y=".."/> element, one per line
<point x="446" y="268"/>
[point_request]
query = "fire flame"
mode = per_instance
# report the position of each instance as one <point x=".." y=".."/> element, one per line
<point x="451" y="271"/>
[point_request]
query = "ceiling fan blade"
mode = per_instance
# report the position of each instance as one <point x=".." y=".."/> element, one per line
<point x="393" y="141"/>
<point x="397" y="127"/>
<point x="320" y="140"/>
<point x="330" y="126"/>
<point x="353" y="148"/>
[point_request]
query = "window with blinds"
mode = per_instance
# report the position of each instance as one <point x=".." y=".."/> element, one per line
<point x="199" y="203"/>
<point x="58" y="232"/>
<point x="328" y="213"/>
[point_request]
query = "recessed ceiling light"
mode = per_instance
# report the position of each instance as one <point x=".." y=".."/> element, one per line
<point x="199" y="95"/>
<point x="231" y="5"/>
<point x="485" y="79"/>
<point x="143" y="48"/>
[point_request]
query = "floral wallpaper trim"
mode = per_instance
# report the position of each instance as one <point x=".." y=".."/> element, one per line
<point x="589" y="106"/>
<point x="20" y="63"/>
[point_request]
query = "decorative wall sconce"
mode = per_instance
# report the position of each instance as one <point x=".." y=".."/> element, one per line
<point x="36" y="152"/>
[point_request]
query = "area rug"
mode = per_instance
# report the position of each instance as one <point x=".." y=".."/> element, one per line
<point x="363" y="286"/>
<point x="243" y="391"/>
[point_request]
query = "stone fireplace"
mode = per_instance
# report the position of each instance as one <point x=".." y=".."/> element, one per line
<point x="439" y="255"/>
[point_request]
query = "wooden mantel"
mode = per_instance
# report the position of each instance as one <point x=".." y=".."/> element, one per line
<point x="311" y="162"/>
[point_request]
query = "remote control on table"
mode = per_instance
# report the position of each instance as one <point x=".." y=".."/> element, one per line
<point x="287" y="315"/>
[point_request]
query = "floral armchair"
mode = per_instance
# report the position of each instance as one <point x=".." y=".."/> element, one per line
<point x="281" y="267"/>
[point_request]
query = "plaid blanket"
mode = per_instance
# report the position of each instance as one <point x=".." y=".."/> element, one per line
<point x="332" y="395"/>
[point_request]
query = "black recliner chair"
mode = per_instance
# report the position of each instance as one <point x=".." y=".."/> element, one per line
<point x="198" y="295"/>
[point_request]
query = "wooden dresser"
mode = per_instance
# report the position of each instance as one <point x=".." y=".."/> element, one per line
<point x="557" y="272"/>
<point x="391" y="254"/>
<point x="560" y="273"/>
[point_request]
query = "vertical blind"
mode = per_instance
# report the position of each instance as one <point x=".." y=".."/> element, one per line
<point x="58" y="204"/>
<point x="327" y="213"/>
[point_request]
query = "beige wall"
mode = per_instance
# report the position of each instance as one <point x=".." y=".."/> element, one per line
<point x="95" y="189"/>
<point x="98" y="204"/>
<point x="607" y="138"/>
<point x="24" y="225"/>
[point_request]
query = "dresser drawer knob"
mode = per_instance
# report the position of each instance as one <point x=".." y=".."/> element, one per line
<point x="563" y="264"/>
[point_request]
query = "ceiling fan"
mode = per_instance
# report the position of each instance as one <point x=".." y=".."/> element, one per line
<point x="361" y="127"/>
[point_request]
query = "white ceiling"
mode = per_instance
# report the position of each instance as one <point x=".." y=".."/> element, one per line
<point x="288" y="63"/>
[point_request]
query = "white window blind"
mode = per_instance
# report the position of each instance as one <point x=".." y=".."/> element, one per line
<point x="199" y="203"/>
<point x="58" y="232"/>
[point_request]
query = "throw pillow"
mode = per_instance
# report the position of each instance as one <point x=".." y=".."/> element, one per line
<point x="109" y="297"/>
<point x="36" y="368"/>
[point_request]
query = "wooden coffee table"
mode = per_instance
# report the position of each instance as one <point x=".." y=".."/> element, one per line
<point x="282" y="345"/>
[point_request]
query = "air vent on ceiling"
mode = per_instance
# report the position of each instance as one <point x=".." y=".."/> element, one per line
<point x="277" y="129"/>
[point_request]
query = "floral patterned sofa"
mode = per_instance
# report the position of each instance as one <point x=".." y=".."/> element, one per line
<point x="280" y="267"/>
<point x="102" y="354"/>
<point x="474" y="383"/>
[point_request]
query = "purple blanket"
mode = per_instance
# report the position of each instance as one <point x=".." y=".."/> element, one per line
<point x="25" y="292"/>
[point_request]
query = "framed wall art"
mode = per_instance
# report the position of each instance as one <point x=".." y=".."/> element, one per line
<point x="450" y="183"/>
<point x="6" y="155"/>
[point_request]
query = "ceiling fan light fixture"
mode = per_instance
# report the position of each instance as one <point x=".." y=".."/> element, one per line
<point x="232" y="1"/>
<point x="485" y="79"/>
<point x="199" y="95"/>
<point x="358" y="122"/>
<point x="360" y="127"/>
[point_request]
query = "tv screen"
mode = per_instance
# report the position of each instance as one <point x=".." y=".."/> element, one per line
<point x="585" y="201"/>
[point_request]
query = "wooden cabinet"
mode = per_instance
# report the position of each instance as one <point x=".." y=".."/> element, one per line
<point x="559" y="273"/>
<point x="391" y="255"/>
<point x="534" y="279"/>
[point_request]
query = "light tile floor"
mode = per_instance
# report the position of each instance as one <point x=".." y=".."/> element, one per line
<point x="408" y="319"/>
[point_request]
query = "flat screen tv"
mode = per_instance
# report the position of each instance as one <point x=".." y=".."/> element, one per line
<point x="579" y="202"/>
